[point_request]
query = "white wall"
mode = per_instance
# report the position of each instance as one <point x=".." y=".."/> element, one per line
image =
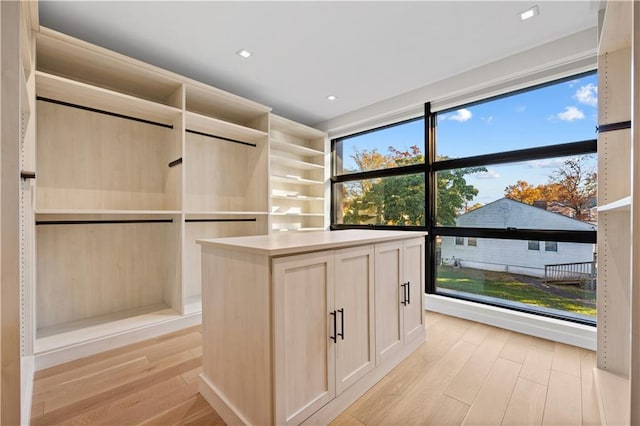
<point x="513" y="255"/>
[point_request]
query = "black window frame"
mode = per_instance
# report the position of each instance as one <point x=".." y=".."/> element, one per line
<point x="537" y="153"/>
<point x="374" y="174"/>
<point x="459" y="241"/>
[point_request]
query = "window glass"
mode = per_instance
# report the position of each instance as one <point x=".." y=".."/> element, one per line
<point x="393" y="200"/>
<point x="459" y="241"/>
<point x="473" y="242"/>
<point x="559" y="113"/>
<point x="534" y="245"/>
<point x="389" y="147"/>
<point x="550" y="246"/>
<point x="556" y="193"/>
<point x="507" y="270"/>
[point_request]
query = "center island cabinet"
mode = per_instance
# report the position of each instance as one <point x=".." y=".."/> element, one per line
<point x="297" y="326"/>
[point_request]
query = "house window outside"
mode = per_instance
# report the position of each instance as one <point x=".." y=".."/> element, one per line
<point x="472" y="242"/>
<point x="515" y="169"/>
<point x="459" y="241"/>
<point x="378" y="179"/>
<point x="551" y="246"/>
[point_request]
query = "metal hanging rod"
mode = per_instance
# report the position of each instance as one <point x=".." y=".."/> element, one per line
<point x="101" y="111"/>
<point x="195" y="132"/>
<point x="613" y="126"/>
<point x="100" y="222"/>
<point x="175" y="162"/>
<point x="221" y="220"/>
<point x="27" y="175"/>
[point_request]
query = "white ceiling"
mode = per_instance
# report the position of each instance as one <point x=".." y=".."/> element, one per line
<point x="362" y="52"/>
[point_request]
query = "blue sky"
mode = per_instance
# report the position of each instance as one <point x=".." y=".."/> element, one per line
<point x="560" y="113"/>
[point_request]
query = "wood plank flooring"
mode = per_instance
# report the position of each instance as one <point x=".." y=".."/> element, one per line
<point x="467" y="373"/>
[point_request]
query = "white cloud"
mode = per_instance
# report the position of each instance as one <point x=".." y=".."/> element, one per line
<point x="546" y="164"/>
<point x="587" y="95"/>
<point x="570" y="113"/>
<point x="521" y="108"/>
<point x="489" y="174"/>
<point x="573" y="82"/>
<point x="461" y="115"/>
<point x="443" y="117"/>
<point x="489" y="119"/>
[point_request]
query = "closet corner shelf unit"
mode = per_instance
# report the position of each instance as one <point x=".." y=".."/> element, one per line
<point x="299" y="168"/>
<point x="134" y="164"/>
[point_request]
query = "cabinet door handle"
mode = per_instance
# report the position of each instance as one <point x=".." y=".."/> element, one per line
<point x="404" y="293"/>
<point x="341" y="334"/>
<point x="408" y="292"/>
<point x="334" y="337"/>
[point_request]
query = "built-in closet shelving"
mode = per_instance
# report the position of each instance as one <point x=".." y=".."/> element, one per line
<point x="298" y="177"/>
<point x="134" y="164"/>
<point x="617" y="275"/>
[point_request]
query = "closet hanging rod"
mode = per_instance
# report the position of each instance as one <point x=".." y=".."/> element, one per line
<point x="175" y="162"/>
<point x="613" y="126"/>
<point x="221" y="220"/>
<point x="195" y="132"/>
<point x="100" y="222"/>
<point x="101" y="111"/>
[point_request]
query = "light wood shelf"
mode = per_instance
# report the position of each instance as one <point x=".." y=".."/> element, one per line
<point x="73" y="92"/>
<point x="74" y="332"/>
<point x="78" y="212"/>
<point x="296" y="180"/>
<point x="616" y="27"/>
<point x="65" y="56"/>
<point x="296" y="198"/>
<point x="192" y="213"/>
<point x="300" y="150"/>
<point x="295" y="164"/>
<point x="216" y="127"/>
<point x="623" y="204"/>
<point x="224" y="106"/>
<point x="297" y="214"/>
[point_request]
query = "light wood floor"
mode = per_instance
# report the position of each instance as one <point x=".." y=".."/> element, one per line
<point x="466" y="373"/>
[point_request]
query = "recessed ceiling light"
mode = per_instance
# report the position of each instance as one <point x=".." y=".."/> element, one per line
<point x="332" y="98"/>
<point x="244" y="53"/>
<point x="529" y="13"/>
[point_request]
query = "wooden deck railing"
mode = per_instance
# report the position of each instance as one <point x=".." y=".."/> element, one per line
<point x="571" y="273"/>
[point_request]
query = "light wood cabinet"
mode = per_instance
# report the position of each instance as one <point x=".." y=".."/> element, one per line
<point x="324" y="321"/>
<point x="304" y="335"/>
<point x="398" y="294"/>
<point x="354" y="305"/>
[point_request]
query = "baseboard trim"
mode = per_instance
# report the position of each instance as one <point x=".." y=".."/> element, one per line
<point x="219" y="403"/>
<point x="27" y="372"/>
<point x="579" y="335"/>
<point x="83" y="349"/>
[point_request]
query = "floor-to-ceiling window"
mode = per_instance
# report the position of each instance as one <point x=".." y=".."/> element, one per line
<point x="514" y="200"/>
<point x="379" y="178"/>
<point x="506" y="187"/>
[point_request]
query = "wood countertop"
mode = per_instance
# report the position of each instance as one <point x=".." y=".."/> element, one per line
<point x="287" y="243"/>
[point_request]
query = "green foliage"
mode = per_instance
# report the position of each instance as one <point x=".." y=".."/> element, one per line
<point x="400" y="200"/>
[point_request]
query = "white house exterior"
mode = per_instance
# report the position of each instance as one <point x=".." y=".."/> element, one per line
<point x="516" y="256"/>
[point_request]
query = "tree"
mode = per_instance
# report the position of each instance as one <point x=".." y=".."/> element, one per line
<point x="576" y="185"/>
<point x="572" y="185"/>
<point x="400" y="200"/>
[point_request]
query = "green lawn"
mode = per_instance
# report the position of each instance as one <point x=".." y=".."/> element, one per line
<point x="511" y="287"/>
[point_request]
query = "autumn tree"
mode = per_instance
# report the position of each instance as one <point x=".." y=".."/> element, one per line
<point x="573" y="185"/>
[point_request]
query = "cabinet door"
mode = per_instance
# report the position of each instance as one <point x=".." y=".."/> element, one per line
<point x="389" y="318"/>
<point x="303" y="295"/>
<point x="355" y="353"/>
<point x="413" y="282"/>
